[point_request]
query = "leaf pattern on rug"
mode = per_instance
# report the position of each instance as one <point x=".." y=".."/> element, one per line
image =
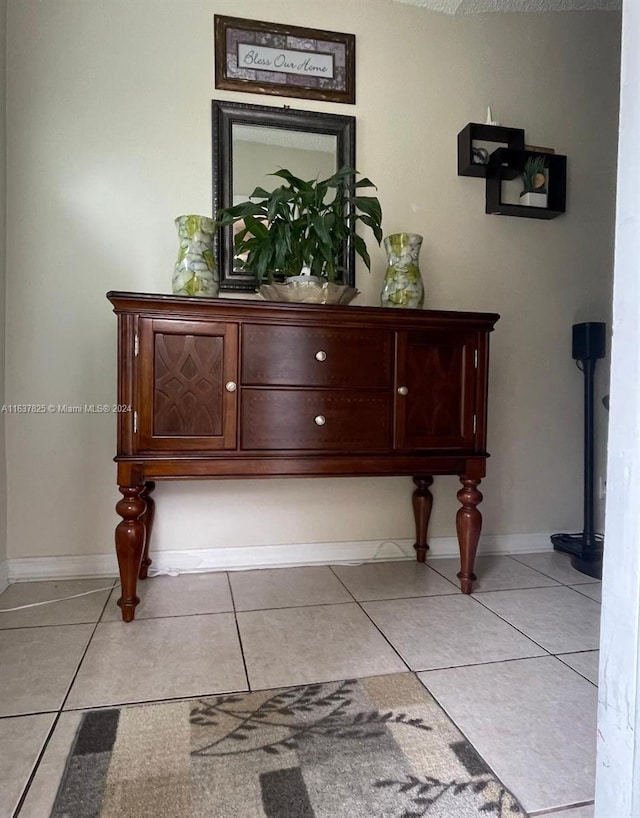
<point x="427" y="791"/>
<point x="288" y="718"/>
<point x="379" y="747"/>
<point x="326" y="704"/>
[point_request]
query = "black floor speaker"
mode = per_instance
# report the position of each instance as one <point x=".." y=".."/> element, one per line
<point x="586" y="548"/>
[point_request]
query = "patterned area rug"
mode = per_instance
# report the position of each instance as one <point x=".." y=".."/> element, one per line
<point x="371" y="748"/>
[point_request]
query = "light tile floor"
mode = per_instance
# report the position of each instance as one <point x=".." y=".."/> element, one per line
<point x="514" y="666"/>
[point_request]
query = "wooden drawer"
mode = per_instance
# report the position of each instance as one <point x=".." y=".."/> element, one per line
<point x="293" y="419"/>
<point x="339" y="357"/>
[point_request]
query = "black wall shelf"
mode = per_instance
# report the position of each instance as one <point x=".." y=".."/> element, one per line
<point x="474" y="132"/>
<point x="514" y="160"/>
<point x="507" y="163"/>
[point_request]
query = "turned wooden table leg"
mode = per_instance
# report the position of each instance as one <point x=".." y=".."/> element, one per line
<point x="422" y="503"/>
<point x="468" y="525"/>
<point x="147" y="522"/>
<point x="129" y="546"/>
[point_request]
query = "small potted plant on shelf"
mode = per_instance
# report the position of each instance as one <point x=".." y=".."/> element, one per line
<point x="534" y="193"/>
<point x="300" y="232"/>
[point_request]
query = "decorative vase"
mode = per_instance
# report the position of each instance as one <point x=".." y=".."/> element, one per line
<point x="195" y="271"/>
<point x="403" y="285"/>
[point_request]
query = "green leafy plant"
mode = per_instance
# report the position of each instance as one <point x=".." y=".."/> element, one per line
<point x="533" y="176"/>
<point x="303" y="224"/>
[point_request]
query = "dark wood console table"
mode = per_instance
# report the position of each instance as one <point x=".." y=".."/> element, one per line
<point x="234" y="389"/>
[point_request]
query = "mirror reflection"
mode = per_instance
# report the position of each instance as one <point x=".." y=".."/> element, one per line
<point x="259" y="151"/>
<point x="252" y="141"/>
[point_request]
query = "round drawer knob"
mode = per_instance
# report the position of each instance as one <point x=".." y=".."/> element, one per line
<point x="402" y="390"/>
<point x="230" y="386"/>
<point x="320" y="420"/>
<point x="321" y="355"/>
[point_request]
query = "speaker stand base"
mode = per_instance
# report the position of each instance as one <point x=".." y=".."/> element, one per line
<point x="586" y="551"/>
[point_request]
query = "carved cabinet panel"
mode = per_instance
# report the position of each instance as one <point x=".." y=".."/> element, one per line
<point x="187" y="385"/>
<point x="437" y="372"/>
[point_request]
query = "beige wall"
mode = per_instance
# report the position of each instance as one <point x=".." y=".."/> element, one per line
<point x="109" y="139"/>
<point x="253" y="164"/>
<point x="3" y="210"/>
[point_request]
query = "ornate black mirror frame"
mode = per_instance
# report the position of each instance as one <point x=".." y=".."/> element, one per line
<point x="224" y="116"/>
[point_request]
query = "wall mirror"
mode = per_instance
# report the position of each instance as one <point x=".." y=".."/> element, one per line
<point x="252" y="141"/>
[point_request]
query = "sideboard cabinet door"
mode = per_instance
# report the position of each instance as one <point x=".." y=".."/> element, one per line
<point x="187" y="385"/>
<point x="436" y="386"/>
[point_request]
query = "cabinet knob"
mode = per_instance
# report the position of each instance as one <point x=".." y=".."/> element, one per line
<point x="402" y="390"/>
<point x="230" y="386"/>
<point x="321" y="355"/>
<point x="320" y="420"/>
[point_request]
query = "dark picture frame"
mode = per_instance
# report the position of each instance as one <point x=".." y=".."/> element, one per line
<point x="224" y="116"/>
<point x="283" y="60"/>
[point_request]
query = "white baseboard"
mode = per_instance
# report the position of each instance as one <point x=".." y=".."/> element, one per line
<point x="239" y="558"/>
<point x="34" y="568"/>
<point x="4" y="575"/>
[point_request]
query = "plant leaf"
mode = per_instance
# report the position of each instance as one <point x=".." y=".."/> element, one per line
<point x="369" y="205"/>
<point x="297" y="184"/>
<point x="257" y="227"/>
<point x="361" y="249"/>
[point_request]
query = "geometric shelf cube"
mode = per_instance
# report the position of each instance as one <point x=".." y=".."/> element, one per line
<point x="507" y="163"/>
<point x="511" y="137"/>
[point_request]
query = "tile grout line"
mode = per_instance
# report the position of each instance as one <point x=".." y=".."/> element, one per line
<point x="36" y="765"/>
<point x="387" y="640"/>
<point x="427" y="564"/>
<point x="530" y="638"/>
<point x="560" y="659"/>
<point x="45" y="744"/>
<point x="351" y="594"/>
<point x="551" y="813"/>
<point x="53" y="601"/>
<point x="550" y="653"/>
<point x="151" y="702"/>
<point x="507" y="556"/>
<point x="463" y="734"/>
<point x="586" y="596"/>
<point x="483" y="664"/>
<point x="294" y="607"/>
<point x="560" y="811"/>
<point x="568" y="585"/>
<point x="392" y="646"/>
<point x="235" y="619"/>
<point x="544" y="655"/>
<point x="557" y="582"/>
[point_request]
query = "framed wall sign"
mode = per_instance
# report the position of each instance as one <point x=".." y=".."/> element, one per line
<point x="288" y="61"/>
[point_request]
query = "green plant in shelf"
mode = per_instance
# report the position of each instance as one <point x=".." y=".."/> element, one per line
<point x="533" y="175"/>
<point x="303" y="226"/>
